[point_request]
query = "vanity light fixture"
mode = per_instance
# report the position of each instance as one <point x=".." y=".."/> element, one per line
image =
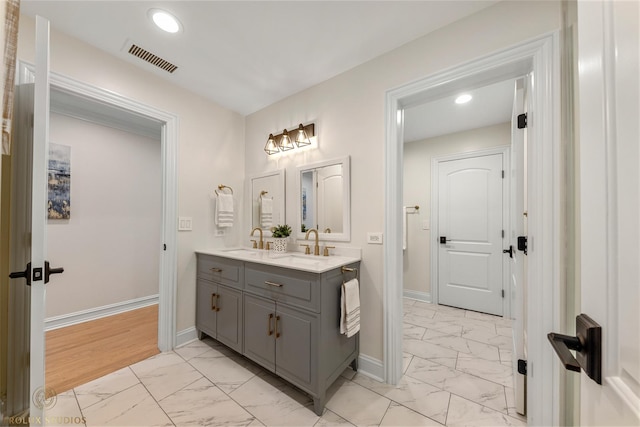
<point x="272" y="145"/>
<point x="302" y="138"/>
<point x="284" y="142"/>
<point x="463" y="99"/>
<point x="164" y="20"/>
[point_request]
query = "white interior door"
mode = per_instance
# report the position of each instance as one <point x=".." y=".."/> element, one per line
<point x="470" y="227"/>
<point x="518" y="259"/>
<point x="610" y="204"/>
<point x="28" y="226"/>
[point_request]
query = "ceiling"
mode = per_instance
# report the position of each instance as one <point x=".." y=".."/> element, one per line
<point x="246" y="55"/>
<point x="490" y="105"/>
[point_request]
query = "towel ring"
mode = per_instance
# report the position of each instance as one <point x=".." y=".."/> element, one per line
<point x="221" y="187"/>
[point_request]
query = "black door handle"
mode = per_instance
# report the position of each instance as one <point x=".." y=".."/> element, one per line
<point x="509" y="251"/>
<point x="587" y="344"/>
<point x="49" y="271"/>
<point x="26" y="274"/>
<point x="444" y="240"/>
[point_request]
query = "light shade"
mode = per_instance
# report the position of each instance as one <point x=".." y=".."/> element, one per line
<point x="285" y="142"/>
<point x="302" y="138"/>
<point x="272" y="145"/>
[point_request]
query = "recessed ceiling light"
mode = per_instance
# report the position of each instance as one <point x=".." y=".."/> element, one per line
<point x="165" y="21"/>
<point x="463" y="99"/>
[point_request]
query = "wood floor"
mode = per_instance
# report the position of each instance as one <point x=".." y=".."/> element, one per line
<point x="80" y="353"/>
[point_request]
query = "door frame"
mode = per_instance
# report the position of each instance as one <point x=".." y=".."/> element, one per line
<point x="169" y="158"/>
<point x="542" y="56"/>
<point x="506" y="224"/>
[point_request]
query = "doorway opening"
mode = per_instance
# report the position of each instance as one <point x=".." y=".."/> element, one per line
<point x="540" y="57"/>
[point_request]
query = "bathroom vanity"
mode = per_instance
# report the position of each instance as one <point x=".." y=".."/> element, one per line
<point x="282" y="312"/>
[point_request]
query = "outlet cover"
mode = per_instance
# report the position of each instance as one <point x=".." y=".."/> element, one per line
<point x="185" y="223"/>
<point x="374" y="238"/>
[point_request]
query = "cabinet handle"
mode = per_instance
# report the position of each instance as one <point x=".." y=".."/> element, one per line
<point x="217" y="302"/>
<point x="213" y="304"/>
<point x="269" y="331"/>
<point x="277" y="285"/>
<point x="216" y="270"/>
<point x="277" y="333"/>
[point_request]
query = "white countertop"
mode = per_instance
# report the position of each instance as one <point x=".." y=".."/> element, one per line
<point x="293" y="260"/>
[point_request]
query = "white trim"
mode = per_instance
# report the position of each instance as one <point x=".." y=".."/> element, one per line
<point x="56" y="322"/>
<point x="417" y="295"/>
<point x="506" y="224"/>
<point x="371" y="367"/>
<point x="540" y="55"/>
<point x="186" y="336"/>
<point x="169" y="152"/>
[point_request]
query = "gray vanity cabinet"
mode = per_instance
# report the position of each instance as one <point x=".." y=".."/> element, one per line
<point x="292" y="326"/>
<point x="219" y="306"/>
<point x="282" y="339"/>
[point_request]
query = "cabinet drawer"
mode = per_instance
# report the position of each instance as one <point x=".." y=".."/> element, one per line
<point x="296" y="288"/>
<point x="220" y="270"/>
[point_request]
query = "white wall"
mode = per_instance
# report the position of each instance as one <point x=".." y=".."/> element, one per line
<point x="348" y="111"/>
<point x="417" y="191"/>
<point x="109" y="246"/>
<point x="210" y="144"/>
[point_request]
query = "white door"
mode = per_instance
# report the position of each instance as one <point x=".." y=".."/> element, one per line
<point x="518" y="259"/>
<point x="470" y="232"/>
<point x="608" y="33"/>
<point x="28" y="225"/>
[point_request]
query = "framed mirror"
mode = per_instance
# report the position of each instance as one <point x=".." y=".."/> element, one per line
<point x="324" y="200"/>
<point x="267" y="199"/>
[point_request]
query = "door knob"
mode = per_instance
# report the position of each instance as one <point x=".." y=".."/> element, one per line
<point x="587" y="344"/>
<point x="26" y="274"/>
<point x="444" y="240"/>
<point x="509" y="251"/>
<point x="48" y="271"/>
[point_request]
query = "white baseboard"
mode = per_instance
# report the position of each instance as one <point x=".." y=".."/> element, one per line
<point x="186" y="335"/>
<point x="63" y="320"/>
<point x="417" y="295"/>
<point x="371" y="367"/>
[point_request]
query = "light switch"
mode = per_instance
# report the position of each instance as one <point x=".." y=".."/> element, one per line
<point x="374" y="238"/>
<point x="185" y="223"/>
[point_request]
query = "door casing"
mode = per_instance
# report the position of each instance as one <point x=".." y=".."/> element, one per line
<point x="169" y="158"/>
<point x="541" y="56"/>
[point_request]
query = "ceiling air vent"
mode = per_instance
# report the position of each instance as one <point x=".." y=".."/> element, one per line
<point x="152" y="59"/>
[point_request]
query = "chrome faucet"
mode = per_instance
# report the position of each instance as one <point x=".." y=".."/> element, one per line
<point x="261" y="243"/>
<point x="316" y="247"/>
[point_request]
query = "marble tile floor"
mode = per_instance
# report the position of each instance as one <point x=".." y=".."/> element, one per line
<point x="457" y="367"/>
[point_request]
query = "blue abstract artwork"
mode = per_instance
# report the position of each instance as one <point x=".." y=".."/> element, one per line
<point x="59" y="178"/>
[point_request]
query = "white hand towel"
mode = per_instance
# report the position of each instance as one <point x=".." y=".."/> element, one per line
<point x="266" y="211"/>
<point x="350" y="308"/>
<point x="224" y="210"/>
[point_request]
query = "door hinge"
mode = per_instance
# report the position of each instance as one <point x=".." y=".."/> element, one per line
<point x="523" y="244"/>
<point x="503" y="174"/>
<point x="503" y="234"/>
<point x="164" y="247"/>
<point x="522" y="121"/>
<point x="503" y="293"/>
<point x="522" y="367"/>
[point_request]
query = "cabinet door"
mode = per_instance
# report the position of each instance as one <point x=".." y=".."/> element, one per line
<point x="259" y="325"/>
<point x="296" y="346"/>
<point x="229" y="317"/>
<point x="206" y="296"/>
